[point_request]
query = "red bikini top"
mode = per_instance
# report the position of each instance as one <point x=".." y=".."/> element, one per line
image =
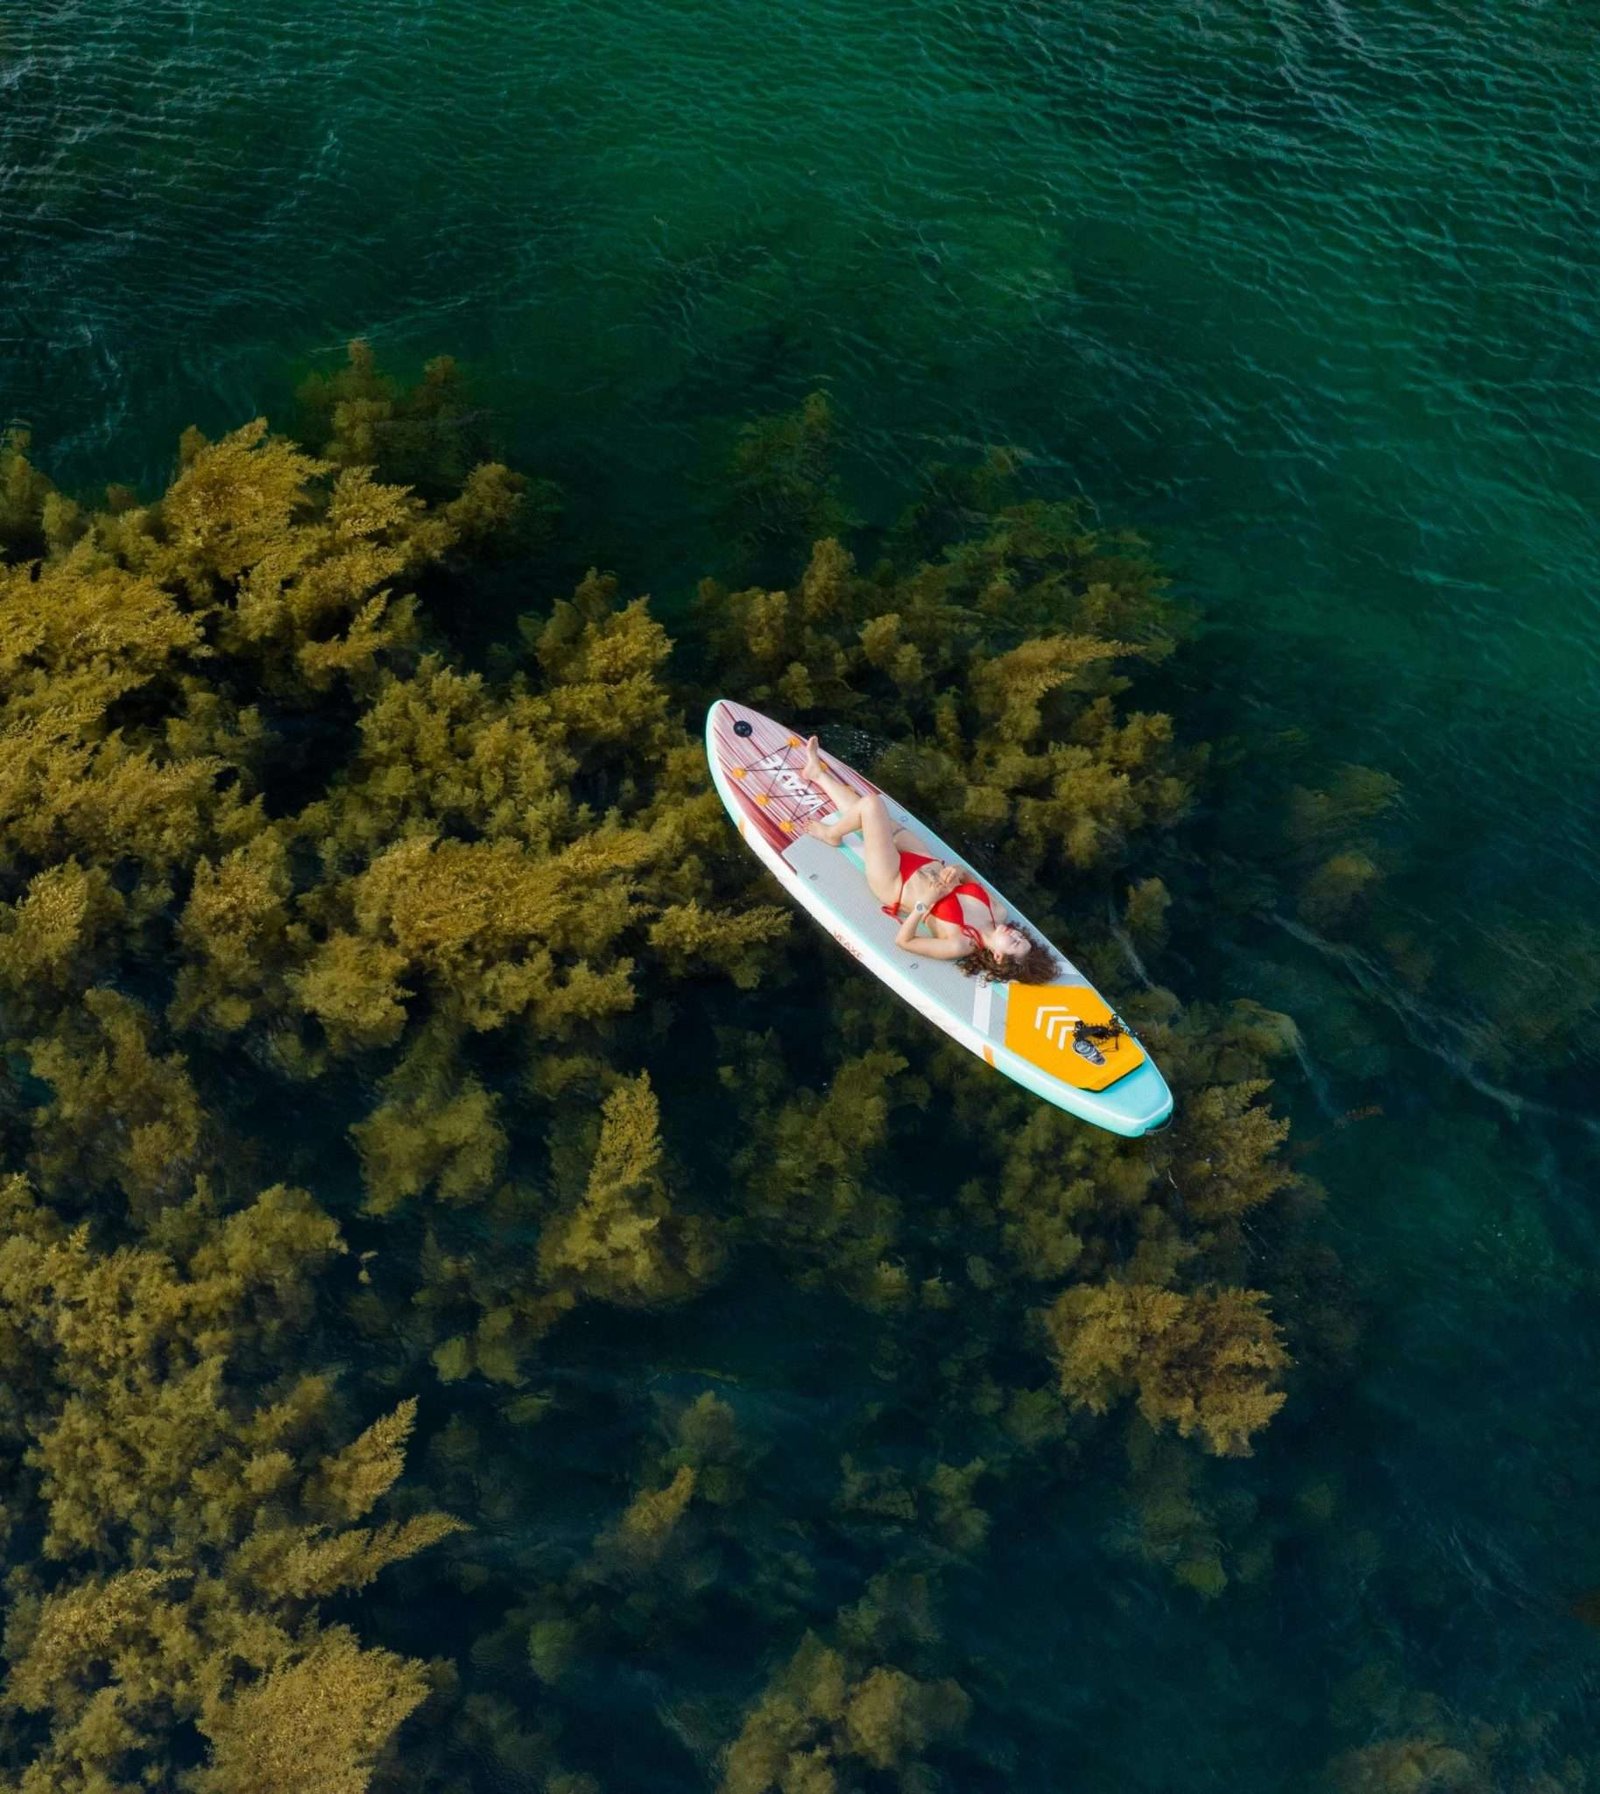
<point x="948" y="908"/>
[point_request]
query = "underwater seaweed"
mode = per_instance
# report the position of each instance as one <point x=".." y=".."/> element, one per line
<point x="568" y="1081"/>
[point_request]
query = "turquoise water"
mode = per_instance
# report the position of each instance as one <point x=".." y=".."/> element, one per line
<point x="1312" y="295"/>
<point x="1308" y="294"/>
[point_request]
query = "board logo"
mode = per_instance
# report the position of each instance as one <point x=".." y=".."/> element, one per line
<point x="1061" y="1028"/>
<point x="1055" y="1023"/>
<point x="785" y="780"/>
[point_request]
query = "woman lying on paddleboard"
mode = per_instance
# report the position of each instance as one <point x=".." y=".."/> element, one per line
<point x="964" y="922"/>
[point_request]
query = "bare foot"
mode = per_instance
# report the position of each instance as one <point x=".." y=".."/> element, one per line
<point x="813" y="766"/>
<point x="821" y="831"/>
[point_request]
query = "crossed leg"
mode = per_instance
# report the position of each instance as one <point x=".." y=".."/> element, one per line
<point x="863" y="811"/>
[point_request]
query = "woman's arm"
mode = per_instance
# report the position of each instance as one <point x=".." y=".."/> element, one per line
<point x="910" y="922"/>
<point x="936" y="947"/>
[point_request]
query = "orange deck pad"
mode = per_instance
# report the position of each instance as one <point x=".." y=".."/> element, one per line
<point x="1039" y="1020"/>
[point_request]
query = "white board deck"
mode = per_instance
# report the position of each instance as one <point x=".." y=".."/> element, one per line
<point x="1024" y="1031"/>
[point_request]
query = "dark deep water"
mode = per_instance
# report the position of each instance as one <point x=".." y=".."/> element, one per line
<point x="1308" y="295"/>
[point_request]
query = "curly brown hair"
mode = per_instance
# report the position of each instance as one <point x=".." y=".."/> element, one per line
<point x="1038" y="965"/>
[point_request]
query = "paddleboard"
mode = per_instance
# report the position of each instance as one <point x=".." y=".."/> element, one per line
<point x="1027" y="1031"/>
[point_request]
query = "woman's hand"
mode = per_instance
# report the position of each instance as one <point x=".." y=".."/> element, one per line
<point x="910" y="922"/>
<point x="946" y="879"/>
